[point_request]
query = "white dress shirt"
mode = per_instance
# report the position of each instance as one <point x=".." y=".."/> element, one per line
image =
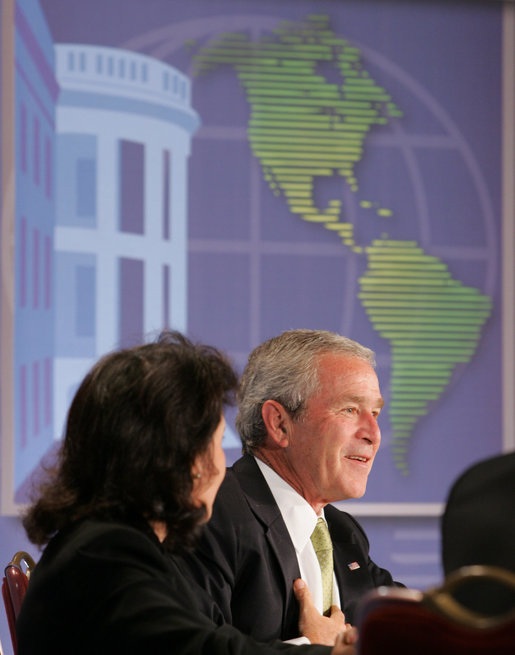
<point x="300" y="519"/>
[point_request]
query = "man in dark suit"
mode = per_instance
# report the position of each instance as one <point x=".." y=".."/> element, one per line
<point x="478" y="527"/>
<point x="308" y="408"/>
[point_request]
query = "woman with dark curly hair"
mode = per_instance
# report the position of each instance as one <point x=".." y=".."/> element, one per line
<point x="137" y="475"/>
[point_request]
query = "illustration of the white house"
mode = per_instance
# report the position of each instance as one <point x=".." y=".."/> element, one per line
<point x="124" y="125"/>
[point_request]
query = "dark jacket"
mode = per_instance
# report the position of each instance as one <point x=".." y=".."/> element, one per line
<point x="478" y="527"/>
<point x="247" y="562"/>
<point x="107" y="587"/>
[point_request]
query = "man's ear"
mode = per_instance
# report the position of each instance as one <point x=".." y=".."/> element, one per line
<point x="277" y="421"/>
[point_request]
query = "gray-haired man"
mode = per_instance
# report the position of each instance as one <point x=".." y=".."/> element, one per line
<point x="308" y="408"/>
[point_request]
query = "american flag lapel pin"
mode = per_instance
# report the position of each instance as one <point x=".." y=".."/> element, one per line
<point x="353" y="566"/>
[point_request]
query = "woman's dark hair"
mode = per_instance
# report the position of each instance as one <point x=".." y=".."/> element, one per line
<point x="136" y="425"/>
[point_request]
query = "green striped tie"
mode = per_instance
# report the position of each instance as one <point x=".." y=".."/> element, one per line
<point x="321" y="540"/>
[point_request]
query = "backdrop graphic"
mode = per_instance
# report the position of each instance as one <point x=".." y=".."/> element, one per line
<point x="237" y="168"/>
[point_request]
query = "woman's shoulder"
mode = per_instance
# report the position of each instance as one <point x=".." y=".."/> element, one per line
<point x="94" y="529"/>
<point x="95" y="540"/>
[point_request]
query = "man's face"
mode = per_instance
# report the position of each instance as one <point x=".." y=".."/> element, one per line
<point x="332" y="446"/>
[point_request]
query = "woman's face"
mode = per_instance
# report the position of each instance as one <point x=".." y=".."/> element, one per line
<point x="211" y="467"/>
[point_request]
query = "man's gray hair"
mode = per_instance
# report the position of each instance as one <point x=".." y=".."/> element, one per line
<point x="285" y="369"/>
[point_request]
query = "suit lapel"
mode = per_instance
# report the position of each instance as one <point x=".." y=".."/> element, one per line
<point x="264" y="507"/>
<point x="350" y="562"/>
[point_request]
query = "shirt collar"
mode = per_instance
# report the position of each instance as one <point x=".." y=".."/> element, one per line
<point x="298" y="515"/>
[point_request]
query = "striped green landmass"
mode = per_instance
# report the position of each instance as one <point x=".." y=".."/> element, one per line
<point x="300" y="122"/>
<point x="432" y="321"/>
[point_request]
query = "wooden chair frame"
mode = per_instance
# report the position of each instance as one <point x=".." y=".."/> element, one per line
<point x="14" y="586"/>
<point x="407" y="621"/>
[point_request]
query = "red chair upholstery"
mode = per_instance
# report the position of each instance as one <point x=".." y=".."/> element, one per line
<point x="406" y="621"/>
<point x="14" y="586"/>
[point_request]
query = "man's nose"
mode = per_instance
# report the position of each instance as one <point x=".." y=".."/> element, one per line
<point x="369" y="428"/>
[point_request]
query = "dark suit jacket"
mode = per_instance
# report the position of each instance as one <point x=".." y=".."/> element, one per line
<point x="478" y="527"/>
<point x="107" y="588"/>
<point x="478" y="524"/>
<point x="247" y="563"/>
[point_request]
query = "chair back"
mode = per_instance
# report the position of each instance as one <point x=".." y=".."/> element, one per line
<point x="14" y="586"/>
<point x="406" y="621"/>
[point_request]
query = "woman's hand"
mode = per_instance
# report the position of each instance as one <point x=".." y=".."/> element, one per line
<point x="328" y="630"/>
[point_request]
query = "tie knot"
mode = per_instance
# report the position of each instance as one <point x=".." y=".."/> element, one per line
<point x="320" y="538"/>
